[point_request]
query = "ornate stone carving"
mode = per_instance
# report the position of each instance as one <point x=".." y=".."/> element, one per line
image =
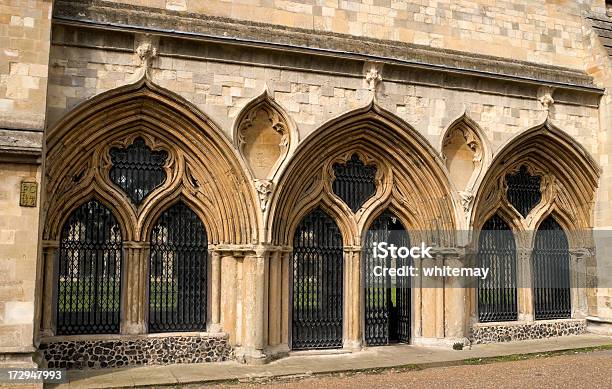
<point x="406" y="183"/>
<point x="263" y="138"/>
<point x="146" y="50"/>
<point x="463" y="153"/>
<point x="466" y="200"/>
<point x="264" y="188"/>
<point x="373" y="78"/>
<point x="373" y="75"/>
<point x="77" y="173"/>
<point x="545" y="97"/>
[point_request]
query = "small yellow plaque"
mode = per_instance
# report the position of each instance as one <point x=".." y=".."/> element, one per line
<point x="29" y="192"/>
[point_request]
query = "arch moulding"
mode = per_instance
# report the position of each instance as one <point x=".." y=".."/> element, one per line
<point x="411" y="177"/>
<point x="569" y="178"/>
<point x="202" y="166"/>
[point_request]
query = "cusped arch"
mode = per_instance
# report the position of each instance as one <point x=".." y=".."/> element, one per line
<point x="415" y="174"/>
<point x="207" y="166"/>
<point x="466" y="152"/>
<point x="76" y="202"/>
<point x="569" y="173"/>
<point x="206" y="215"/>
<point x="347" y="226"/>
<point x="264" y="134"/>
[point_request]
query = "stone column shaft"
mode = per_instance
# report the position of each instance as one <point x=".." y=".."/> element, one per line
<point x="135" y="303"/>
<point x="454" y="301"/>
<point x="352" y="299"/>
<point x="215" y="291"/>
<point x="284" y="276"/>
<point x="228" y="296"/>
<point x="524" y="284"/>
<point x="440" y="300"/>
<point x="275" y="300"/>
<point x="255" y="305"/>
<point x="50" y="251"/>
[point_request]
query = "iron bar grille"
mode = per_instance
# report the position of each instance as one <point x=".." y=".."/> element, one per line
<point x="137" y="170"/>
<point x="497" y="299"/>
<point x="177" y="272"/>
<point x="387" y="300"/>
<point x="523" y="191"/>
<point x="355" y="182"/>
<point x="89" y="274"/>
<point x="317" y="269"/>
<point x="551" y="272"/>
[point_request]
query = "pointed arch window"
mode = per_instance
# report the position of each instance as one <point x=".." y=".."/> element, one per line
<point x="318" y="269"/>
<point x="89" y="280"/>
<point x="497" y="298"/>
<point x="177" y="271"/>
<point x="355" y="182"/>
<point x="387" y="298"/>
<point x="551" y="272"/>
<point x="137" y="169"/>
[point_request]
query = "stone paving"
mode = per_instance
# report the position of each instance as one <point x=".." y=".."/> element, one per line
<point x="306" y="363"/>
<point x="589" y="370"/>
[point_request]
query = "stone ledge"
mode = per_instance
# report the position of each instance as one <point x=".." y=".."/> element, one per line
<point x="511" y="331"/>
<point x="20" y="146"/>
<point x="81" y="352"/>
<point x="599" y="325"/>
<point x="113" y="16"/>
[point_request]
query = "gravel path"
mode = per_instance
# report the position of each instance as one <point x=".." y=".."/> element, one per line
<point x="582" y="370"/>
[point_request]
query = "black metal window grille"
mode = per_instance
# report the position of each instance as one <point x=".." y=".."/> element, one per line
<point x="89" y="274"/>
<point x="354" y="182"/>
<point x="317" y="270"/>
<point x="177" y="272"/>
<point x="551" y="272"/>
<point x="137" y="170"/>
<point x="387" y="299"/>
<point x="523" y="191"/>
<point x="497" y="298"/>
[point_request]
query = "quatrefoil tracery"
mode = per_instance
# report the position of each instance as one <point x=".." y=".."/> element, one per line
<point x="137" y="169"/>
<point x="355" y="182"/>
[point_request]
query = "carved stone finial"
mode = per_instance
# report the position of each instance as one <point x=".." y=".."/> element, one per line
<point x="264" y="188"/>
<point x="146" y="50"/>
<point x="373" y="75"/>
<point x="545" y="97"/>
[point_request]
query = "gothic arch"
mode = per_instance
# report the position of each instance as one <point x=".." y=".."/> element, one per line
<point x="569" y="174"/>
<point x="202" y="165"/>
<point x="471" y="138"/>
<point x="413" y="175"/>
<point x="92" y="194"/>
<point x="263" y="124"/>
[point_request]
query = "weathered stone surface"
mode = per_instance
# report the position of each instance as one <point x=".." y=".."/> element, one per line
<point x="506" y="332"/>
<point x="133" y="350"/>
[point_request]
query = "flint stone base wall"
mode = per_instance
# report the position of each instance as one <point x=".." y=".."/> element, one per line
<point x="509" y="331"/>
<point x="136" y="350"/>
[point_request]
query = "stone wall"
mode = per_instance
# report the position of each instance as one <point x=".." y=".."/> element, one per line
<point x="509" y="331"/>
<point x="25" y="28"/>
<point x="542" y="31"/>
<point x="309" y="93"/>
<point x="135" y="350"/>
